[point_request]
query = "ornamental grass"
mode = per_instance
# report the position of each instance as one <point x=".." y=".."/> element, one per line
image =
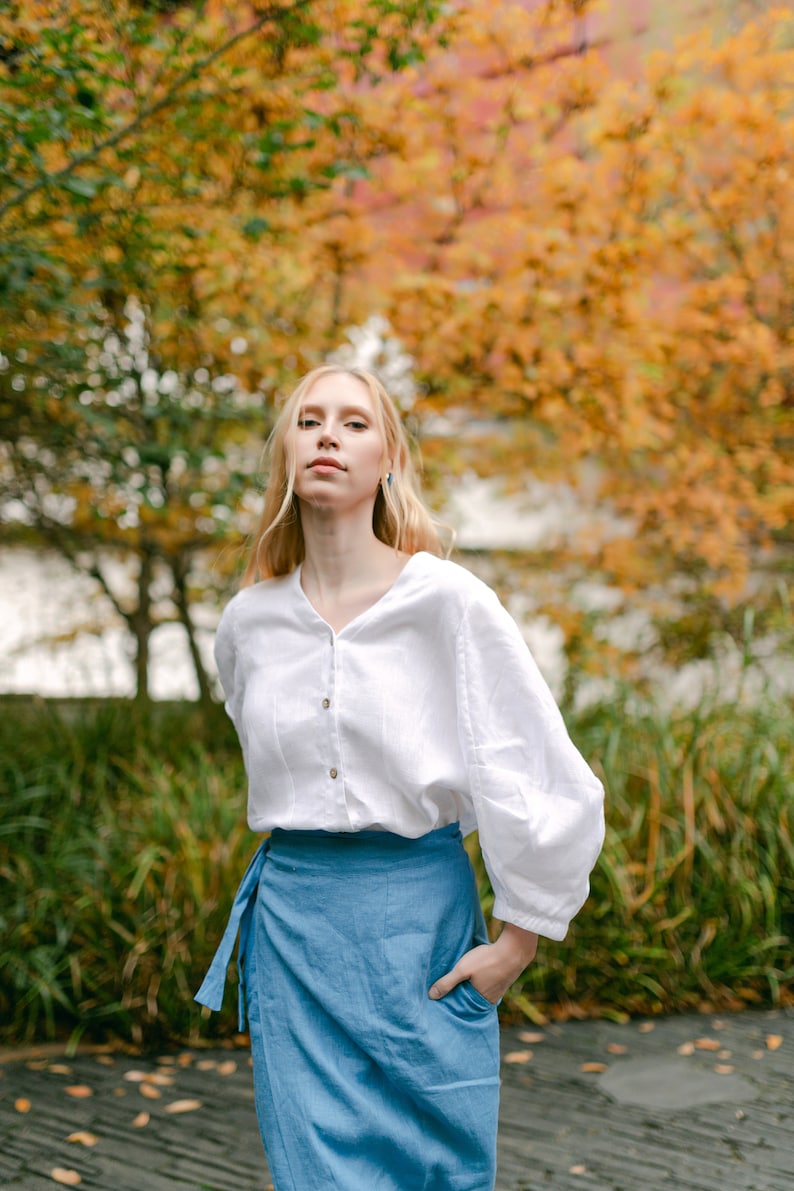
<point x="123" y="838"/>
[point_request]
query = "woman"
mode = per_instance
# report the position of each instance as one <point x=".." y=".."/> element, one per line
<point x="386" y="705"/>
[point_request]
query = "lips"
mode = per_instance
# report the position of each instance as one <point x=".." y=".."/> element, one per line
<point x="324" y="461"/>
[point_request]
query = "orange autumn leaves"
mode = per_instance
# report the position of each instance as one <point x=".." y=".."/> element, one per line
<point x="610" y="262"/>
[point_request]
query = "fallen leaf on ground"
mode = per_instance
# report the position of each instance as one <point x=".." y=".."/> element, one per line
<point x="645" y="1027"/>
<point x="616" y="1048"/>
<point x="151" y="1093"/>
<point x="160" y="1079"/>
<point x="725" y="1054"/>
<point x="686" y="1048"/>
<point x="580" y="1169"/>
<point x="723" y="1068"/>
<point x="80" y="1091"/>
<point x="774" y="1041"/>
<point x="69" y="1178"/>
<point x="206" y="1065"/>
<point x="185" y="1059"/>
<point x="106" y="1060"/>
<point x="22" y="1105"/>
<point x="59" y="1068"/>
<point x="518" y="1056"/>
<point x="227" y="1068"/>
<point x="531" y="1036"/>
<point x="135" y="1076"/>
<point x="707" y="1044"/>
<point x="758" y="1054"/>
<point x="183" y="1106"/>
<point x="592" y="1068"/>
<point x="83" y="1138"/>
<point x="141" y="1121"/>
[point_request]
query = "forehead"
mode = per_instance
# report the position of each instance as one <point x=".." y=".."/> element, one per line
<point x="337" y="390"/>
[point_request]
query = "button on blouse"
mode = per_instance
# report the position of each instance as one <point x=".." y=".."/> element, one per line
<point x="437" y="712"/>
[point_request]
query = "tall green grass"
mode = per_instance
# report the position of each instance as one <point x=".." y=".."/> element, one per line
<point x="122" y="842"/>
<point x="692" y="899"/>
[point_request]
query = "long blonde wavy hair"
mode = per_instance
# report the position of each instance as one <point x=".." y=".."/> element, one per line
<point x="400" y="517"/>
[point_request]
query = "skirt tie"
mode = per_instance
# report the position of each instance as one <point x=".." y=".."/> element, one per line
<point x="212" y="988"/>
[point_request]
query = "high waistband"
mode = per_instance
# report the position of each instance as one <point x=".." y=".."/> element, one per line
<point x="369" y="840"/>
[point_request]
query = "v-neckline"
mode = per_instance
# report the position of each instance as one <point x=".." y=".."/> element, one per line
<point x="365" y="613"/>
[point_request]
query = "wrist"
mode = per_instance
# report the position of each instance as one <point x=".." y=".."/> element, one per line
<point x="522" y="943"/>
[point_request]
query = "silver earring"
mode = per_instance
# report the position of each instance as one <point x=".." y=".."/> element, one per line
<point x="389" y="479"/>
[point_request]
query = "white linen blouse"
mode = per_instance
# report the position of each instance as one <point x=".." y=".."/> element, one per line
<point x="425" y="709"/>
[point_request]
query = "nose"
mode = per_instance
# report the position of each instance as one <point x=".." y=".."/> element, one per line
<point x="327" y="436"/>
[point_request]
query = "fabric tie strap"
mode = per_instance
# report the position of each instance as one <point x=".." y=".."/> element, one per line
<point x="214" y="983"/>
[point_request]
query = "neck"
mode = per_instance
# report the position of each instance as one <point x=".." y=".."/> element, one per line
<point x="341" y="551"/>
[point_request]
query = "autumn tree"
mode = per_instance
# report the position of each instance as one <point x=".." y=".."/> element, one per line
<point x="601" y="268"/>
<point x="166" y="171"/>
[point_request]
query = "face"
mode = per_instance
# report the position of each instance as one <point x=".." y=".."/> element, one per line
<point x="338" y="446"/>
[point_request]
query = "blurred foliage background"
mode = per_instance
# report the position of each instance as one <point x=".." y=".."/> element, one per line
<point x="571" y="238"/>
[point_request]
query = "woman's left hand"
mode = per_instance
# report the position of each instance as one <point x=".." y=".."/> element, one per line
<point x="493" y="967"/>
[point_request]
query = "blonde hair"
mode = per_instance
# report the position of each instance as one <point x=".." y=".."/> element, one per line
<point x="400" y="518"/>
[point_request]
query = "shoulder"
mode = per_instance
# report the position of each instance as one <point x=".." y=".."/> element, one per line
<point x="455" y="585"/>
<point x="251" y="600"/>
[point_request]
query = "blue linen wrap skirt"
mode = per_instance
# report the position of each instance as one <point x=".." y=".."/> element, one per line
<point x="362" y="1083"/>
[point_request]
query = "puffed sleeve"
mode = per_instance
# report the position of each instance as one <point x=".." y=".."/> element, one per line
<point x="539" y="806"/>
<point x="226" y="661"/>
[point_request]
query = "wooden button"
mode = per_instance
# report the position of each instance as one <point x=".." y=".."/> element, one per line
<point x="326" y="702"/>
<point x="333" y="772"/>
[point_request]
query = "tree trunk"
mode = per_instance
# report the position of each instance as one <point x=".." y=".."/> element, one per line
<point x="179" y="568"/>
<point x="140" y="622"/>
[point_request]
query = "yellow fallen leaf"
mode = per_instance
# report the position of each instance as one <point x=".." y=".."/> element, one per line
<point x="518" y="1056"/>
<point x="531" y="1036"/>
<point x="106" y="1060"/>
<point x="59" y="1069"/>
<point x="80" y="1091"/>
<point x="592" y="1068"/>
<point x="83" y="1138"/>
<point x="151" y="1093"/>
<point x="185" y="1059"/>
<point x="69" y="1178"/>
<point x="645" y="1027"/>
<point x="160" y="1079"/>
<point x="206" y="1065"/>
<point x="135" y="1076"/>
<point x="227" y="1068"/>
<point x="707" y="1044"/>
<point x="616" y="1048"/>
<point x="141" y="1121"/>
<point x="686" y="1048"/>
<point x="579" y="1169"/>
<point x="183" y="1106"/>
<point x="22" y="1105"/>
<point x="774" y="1041"/>
<point x="723" y="1068"/>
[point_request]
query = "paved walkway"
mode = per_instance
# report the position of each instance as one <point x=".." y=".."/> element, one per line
<point x="693" y="1103"/>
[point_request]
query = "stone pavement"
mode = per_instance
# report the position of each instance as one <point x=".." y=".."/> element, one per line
<point x="691" y="1103"/>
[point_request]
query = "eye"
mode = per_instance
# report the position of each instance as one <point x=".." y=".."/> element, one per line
<point x="356" y="424"/>
<point x="307" y="423"/>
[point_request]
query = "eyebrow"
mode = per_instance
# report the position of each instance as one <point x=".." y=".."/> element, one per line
<point x="345" y="412"/>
